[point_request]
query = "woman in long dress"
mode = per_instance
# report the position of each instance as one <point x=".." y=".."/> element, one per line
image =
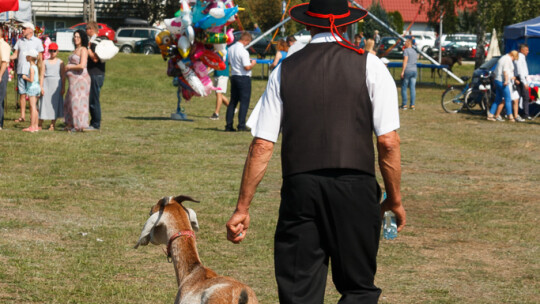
<point x="77" y="96"/>
<point x="52" y="94"/>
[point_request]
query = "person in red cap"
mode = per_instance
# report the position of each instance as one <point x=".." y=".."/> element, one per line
<point x="52" y="101"/>
<point x="327" y="100"/>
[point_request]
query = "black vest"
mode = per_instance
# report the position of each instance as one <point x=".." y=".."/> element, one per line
<point x="327" y="112"/>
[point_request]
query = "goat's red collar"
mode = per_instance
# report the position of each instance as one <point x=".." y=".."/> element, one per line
<point x="188" y="233"/>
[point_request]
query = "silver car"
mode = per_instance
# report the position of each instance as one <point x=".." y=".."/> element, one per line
<point x="127" y="36"/>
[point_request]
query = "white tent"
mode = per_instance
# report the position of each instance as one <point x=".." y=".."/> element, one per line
<point x="494" y="49"/>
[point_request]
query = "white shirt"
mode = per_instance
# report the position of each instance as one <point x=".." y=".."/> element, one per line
<point x="265" y="120"/>
<point x="297" y="46"/>
<point x="522" y="69"/>
<point x="239" y="59"/>
<point x="24" y="45"/>
<point x="504" y="64"/>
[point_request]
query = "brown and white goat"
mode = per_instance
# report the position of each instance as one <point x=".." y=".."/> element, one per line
<point x="173" y="224"/>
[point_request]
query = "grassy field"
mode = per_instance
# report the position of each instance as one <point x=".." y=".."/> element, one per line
<point x="72" y="205"/>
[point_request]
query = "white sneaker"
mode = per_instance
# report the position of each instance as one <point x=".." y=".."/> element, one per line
<point x="518" y="118"/>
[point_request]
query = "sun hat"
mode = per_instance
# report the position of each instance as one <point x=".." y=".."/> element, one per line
<point x="31" y="53"/>
<point x="328" y="14"/>
<point x="28" y="25"/>
<point x="53" y="46"/>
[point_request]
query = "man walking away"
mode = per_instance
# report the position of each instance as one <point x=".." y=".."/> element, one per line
<point x="522" y="71"/>
<point x="327" y="100"/>
<point x="241" y="66"/>
<point x="96" y="69"/>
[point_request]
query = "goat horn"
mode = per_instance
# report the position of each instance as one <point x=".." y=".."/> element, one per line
<point x="182" y="198"/>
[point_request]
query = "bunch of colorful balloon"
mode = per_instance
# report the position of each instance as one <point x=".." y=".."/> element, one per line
<point x="196" y="40"/>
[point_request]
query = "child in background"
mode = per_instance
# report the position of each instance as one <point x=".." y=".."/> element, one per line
<point x="33" y="89"/>
<point x="52" y="102"/>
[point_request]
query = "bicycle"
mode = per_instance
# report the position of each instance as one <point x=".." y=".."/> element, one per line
<point x="453" y="98"/>
<point x="479" y="100"/>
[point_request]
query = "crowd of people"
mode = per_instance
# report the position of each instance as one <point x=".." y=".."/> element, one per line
<point x="55" y="89"/>
<point x="511" y="85"/>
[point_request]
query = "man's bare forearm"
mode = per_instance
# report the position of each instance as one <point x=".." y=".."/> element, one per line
<point x="260" y="152"/>
<point x="390" y="164"/>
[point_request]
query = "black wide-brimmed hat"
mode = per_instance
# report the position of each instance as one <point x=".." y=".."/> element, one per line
<point x="326" y="13"/>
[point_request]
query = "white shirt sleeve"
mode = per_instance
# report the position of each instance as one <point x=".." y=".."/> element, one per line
<point x="383" y="93"/>
<point x="265" y="120"/>
<point x="246" y="60"/>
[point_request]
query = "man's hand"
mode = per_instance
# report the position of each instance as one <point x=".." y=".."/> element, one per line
<point x="397" y="208"/>
<point x="237" y="226"/>
<point x="260" y="152"/>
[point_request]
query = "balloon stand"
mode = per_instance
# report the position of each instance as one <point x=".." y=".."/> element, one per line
<point x="179" y="115"/>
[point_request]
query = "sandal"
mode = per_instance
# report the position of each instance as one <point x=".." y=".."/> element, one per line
<point x="20" y="119"/>
<point x="491" y="117"/>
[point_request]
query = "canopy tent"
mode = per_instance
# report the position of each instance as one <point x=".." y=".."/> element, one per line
<point x="525" y="32"/>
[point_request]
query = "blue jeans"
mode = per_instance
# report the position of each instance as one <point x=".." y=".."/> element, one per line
<point x="240" y="92"/>
<point x="502" y="91"/>
<point x="94" y="105"/>
<point x="409" y="80"/>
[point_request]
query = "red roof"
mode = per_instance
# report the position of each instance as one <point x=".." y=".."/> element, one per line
<point x="409" y="11"/>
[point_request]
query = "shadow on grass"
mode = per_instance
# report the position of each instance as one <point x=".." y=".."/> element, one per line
<point x="154" y="118"/>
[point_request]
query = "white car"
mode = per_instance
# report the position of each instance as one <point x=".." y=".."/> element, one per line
<point x="423" y="42"/>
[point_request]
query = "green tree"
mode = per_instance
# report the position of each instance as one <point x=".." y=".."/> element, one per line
<point x="369" y="25"/>
<point x="266" y="13"/>
<point x="397" y="21"/>
<point x="484" y="14"/>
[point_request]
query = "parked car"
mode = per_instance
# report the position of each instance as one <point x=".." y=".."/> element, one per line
<point x="105" y="32"/>
<point x="126" y="37"/>
<point x="260" y="48"/>
<point x="303" y="36"/>
<point x="386" y="43"/>
<point x="146" y="46"/>
<point x="423" y="42"/>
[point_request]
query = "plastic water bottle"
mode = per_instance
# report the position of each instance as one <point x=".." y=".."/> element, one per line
<point x="389" y="225"/>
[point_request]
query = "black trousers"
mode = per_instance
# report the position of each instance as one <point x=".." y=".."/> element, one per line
<point x="524" y="93"/>
<point x="240" y="92"/>
<point x="94" y="105"/>
<point x="328" y="215"/>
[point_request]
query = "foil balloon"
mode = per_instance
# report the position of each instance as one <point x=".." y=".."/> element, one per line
<point x="202" y="71"/>
<point x="213" y="38"/>
<point x="221" y="49"/>
<point x="187" y="91"/>
<point x="212" y="60"/>
<point x="174" y="25"/>
<point x="184" y="47"/>
<point x="164" y="40"/>
<point x="190" y="76"/>
<point x="230" y="36"/>
<point x="209" y="21"/>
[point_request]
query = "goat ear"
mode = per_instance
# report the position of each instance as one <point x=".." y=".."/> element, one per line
<point x="193" y="219"/>
<point x="146" y="233"/>
<point x="182" y="198"/>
